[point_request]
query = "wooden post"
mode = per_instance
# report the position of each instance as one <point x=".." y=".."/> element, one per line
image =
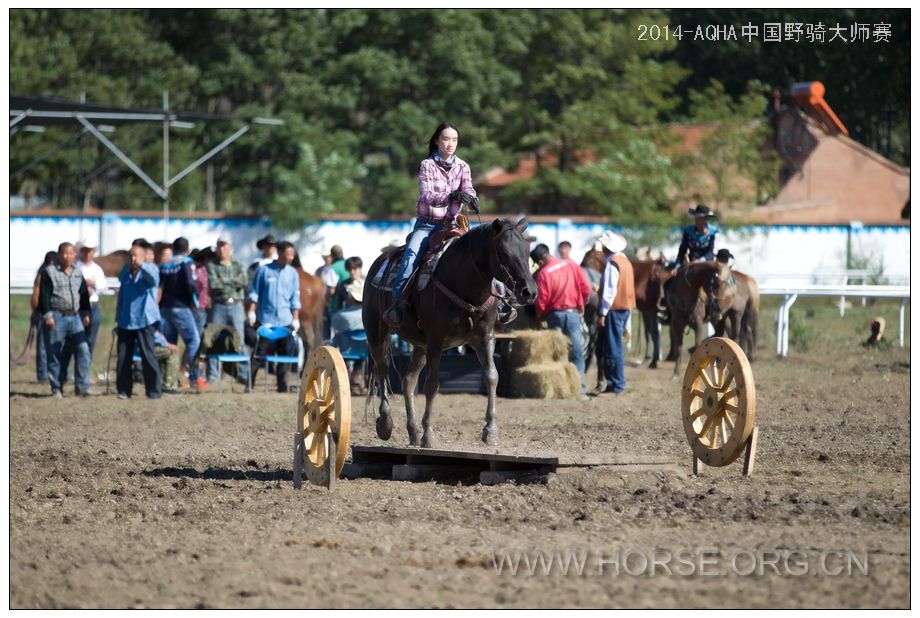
<point x="330" y="461"/>
<point x="298" y="460"/>
<point x="750" y="452"/>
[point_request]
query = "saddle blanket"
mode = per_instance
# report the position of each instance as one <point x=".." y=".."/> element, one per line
<point x="421" y="276"/>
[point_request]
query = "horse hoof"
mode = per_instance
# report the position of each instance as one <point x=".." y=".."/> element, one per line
<point x="384" y="427"/>
<point x="413" y="436"/>
<point x="429" y="441"/>
<point x="653" y="365"/>
<point x="490" y="437"/>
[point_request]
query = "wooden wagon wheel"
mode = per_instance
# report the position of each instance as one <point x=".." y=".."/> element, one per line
<point x="718" y="402"/>
<point x="323" y="418"/>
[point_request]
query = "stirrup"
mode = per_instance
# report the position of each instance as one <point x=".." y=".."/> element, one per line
<point x="507" y="317"/>
<point x="395" y="315"/>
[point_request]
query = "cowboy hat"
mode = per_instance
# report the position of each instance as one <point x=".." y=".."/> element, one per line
<point x="267" y="241"/>
<point x="701" y="210"/>
<point x="84" y="244"/>
<point x="724" y="255"/>
<point x="395" y="243"/>
<point x="356" y="289"/>
<point x="613" y="241"/>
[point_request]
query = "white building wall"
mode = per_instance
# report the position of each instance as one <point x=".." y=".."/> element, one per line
<point x="796" y="252"/>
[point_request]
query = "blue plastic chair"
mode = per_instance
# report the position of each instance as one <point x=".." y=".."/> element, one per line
<point x="239" y="359"/>
<point x="272" y="333"/>
<point x="352" y="344"/>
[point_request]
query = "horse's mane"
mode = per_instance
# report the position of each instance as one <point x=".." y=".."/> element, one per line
<point x="477" y="236"/>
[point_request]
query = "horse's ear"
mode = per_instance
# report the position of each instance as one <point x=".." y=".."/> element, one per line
<point x="521" y="225"/>
<point x="497" y="226"/>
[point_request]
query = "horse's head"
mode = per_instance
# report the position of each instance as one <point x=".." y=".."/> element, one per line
<point x="595" y="260"/>
<point x="719" y="293"/>
<point x="509" y="253"/>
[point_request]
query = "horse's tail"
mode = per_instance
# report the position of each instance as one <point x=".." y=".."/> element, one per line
<point x="373" y="383"/>
<point x="30" y="338"/>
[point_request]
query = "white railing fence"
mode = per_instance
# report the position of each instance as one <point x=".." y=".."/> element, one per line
<point x="791" y="293"/>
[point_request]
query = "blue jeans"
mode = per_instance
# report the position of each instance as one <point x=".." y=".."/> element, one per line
<point x="231" y="315"/>
<point x="416" y="246"/>
<point x="181" y="321"/>
<point x="569" y="322"/>
<point x="201" y="320"/>
<point x="93" y="332"/>
<point x="613" y="349"/>
<point x="67" y="334"/>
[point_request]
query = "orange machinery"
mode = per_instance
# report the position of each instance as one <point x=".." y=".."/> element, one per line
<point x="810" y="95"/>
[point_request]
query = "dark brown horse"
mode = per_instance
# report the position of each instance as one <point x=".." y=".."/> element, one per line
<point x="735" y="309"/>
<point x="312" y="306"/>
<point x="684" y="301"/>
<point x="457" y="306"/>
<point x="648" y="277"/>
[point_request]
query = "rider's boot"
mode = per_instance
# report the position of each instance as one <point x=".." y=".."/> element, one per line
<point x="396" y="314"/>
<point x="506" y="313"/>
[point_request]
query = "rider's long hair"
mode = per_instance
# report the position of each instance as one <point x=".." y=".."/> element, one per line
<point x="433" y="142"/>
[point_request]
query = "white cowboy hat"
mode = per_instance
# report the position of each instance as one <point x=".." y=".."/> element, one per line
<point x="356" y="289"/>
<point x="395" y="243"/>
<point x="84" y="244"/>
<point x="613" y="241"/>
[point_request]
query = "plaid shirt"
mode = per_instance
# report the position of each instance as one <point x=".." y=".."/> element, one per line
<point x="435" y="183"/>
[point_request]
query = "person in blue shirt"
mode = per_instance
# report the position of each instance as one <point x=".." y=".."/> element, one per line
<point x="138" y="318"/>
<point x="274" y="299"/>
<point x="178" y="304"/>
<point x="698" y="241"/>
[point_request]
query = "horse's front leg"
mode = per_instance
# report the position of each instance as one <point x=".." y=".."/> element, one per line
<point x="433" y="352"/>
<point x="485" y="350"/>
<point x="409" y="383"/>
<point x="677" y="342"/>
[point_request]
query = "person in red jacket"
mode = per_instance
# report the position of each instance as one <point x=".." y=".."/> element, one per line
<point x="562" y="289"/>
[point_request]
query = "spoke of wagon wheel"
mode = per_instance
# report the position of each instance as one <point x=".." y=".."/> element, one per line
<point x="318" y="448"/>
<point x="708" y="425"/>
<point x="706" y="378"/>
<point x="727" y="396"/>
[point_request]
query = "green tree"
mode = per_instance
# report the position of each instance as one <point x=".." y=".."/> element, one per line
<point x="735" y="147"/>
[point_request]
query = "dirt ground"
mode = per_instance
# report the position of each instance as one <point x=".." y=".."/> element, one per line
<point x="188" y="502"/>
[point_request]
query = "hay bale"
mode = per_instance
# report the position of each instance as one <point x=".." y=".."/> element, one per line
<point x="552" y="380"/>
<point x="539" y="346"/>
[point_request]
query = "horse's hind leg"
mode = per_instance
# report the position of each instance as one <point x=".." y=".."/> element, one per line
<point x="485" y="350"/>
<point x="652" y="338"/>
<point x="409" y="384"/>
<point x="433" y="352"/>
<point x="378" y="353"/>
<point x="677" y="340"/>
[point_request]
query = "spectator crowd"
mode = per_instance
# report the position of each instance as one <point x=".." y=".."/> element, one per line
<point x="203" y="297"/>
<point x="208" y="300"/>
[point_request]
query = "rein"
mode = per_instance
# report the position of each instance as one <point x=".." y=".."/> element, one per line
<point x="462" y="303"/>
